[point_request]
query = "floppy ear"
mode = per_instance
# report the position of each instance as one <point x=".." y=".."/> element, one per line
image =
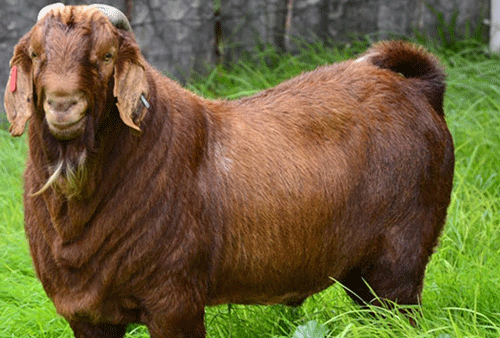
<point x="131" y="90"/>
<point x="18" y="99"/>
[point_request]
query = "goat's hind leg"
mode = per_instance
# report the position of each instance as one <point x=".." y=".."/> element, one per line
<point x="395" y="273"/>
<point x="88" y="330"/>
<point x="386" y="281"/>
<point x="376" y="283"/>
<point x="373" y="290"/>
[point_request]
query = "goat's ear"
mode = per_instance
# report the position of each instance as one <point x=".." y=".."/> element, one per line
<point x="131" y="91"/>
<point x="18" y="99"/>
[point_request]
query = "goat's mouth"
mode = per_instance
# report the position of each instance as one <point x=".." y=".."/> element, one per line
<point x="65" y="113"/>
<point x="67" y="130"/>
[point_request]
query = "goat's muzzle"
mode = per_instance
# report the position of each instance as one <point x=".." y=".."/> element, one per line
<point x="65" y="114"/>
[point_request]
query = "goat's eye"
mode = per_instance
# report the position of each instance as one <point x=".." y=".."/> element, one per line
<point x="108" y="57"/>
<point x="33" y="55"/>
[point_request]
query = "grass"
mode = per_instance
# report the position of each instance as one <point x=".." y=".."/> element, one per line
<point x="460" y="296"/>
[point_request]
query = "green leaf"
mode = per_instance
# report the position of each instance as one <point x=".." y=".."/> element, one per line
<point x="311" y="329"/>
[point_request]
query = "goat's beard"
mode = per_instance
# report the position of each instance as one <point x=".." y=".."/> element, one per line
<point x="67" y="177"/>
<point x="68" y="174"/>
<point x="68" y="162"/>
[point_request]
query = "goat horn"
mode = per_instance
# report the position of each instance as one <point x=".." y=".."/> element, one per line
<point x="47" y="8"/>
<point x="117" y="18"/>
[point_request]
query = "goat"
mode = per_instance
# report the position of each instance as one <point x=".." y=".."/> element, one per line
<point x="144" y="202"/>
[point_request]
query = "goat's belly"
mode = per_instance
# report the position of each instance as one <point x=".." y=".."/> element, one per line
<point x="279" y="285"/>
<point x="290" y="298"/>
<point x="269" y="293"/>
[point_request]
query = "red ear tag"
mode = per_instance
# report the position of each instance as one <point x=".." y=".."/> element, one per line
<point x="13" y="79"/>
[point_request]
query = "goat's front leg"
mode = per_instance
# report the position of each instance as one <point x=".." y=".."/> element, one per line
<point x="88" y="330"/>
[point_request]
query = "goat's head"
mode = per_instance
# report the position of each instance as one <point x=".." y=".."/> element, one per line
<point x="69" y="68"/>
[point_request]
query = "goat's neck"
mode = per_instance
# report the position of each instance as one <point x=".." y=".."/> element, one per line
<point x="123" y="163"/>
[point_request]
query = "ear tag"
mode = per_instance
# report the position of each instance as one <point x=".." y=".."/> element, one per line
<point x="145" y="102"/>
<point x="13" y="79"/>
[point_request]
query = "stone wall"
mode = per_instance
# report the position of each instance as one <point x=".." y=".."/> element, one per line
<point x="340" y="20"/>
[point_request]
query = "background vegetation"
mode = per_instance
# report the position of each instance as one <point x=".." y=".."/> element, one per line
<point x="460" y="297"/>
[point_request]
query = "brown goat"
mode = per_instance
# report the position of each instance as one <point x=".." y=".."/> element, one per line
<point x="144" y="202"/>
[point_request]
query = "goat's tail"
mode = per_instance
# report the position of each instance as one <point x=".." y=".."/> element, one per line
<point x="413" y="62"/>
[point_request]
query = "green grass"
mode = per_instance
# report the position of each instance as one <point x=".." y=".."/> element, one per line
<point x="461" y="294"/>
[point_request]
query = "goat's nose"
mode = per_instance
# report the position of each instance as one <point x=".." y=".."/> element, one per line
<point x="64" y="108"/>
<point x="65" y="113"/>
<point x="61" y="103"/>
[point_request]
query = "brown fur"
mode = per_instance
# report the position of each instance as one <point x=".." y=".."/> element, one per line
<point x="342" y="173"/>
